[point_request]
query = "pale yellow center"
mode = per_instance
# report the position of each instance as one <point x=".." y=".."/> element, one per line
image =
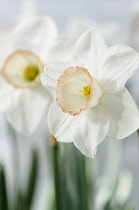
<point x="31" y="72"/>
<point x="86" y="91"/>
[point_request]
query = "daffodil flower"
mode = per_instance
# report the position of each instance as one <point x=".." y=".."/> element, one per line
<point x="23" y="54"/>
<point x="90" y="99"/>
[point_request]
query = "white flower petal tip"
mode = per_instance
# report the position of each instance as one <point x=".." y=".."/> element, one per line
<point x="22" y="69"/>
<point x="27" y="109"/>
<point x="90" y="49"/>
<point x="85" y="151"/>
<point x="76" y="90"/>
<point x="34" y="23"/>
<point x="123" y="113"/>
<point x="117" y="66"/>
<point x="39" y="31"/>
<point x="93" y="128"/>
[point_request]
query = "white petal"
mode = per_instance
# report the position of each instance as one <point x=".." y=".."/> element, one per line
<point x="27" y="109"/>
<point x="133" y="86"/>
<point x="123" y="113"/>
<point x="6" y="47"/>
<point x="6" y="93"/>
<point x="62" y="125"/>
<point x="117" y="66"/>
<point x="52" y="72"/>
<point x="86" y="130"/>
<point x="90" y="48"/>
<point x="61" y="49"/>
<point x="94" y="126"/>
<point x="36" y="31"/>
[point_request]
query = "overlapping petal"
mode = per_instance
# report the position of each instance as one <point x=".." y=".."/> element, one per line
<point x="35" y="31"/>
<point x="27" y="109"/>
<point x="53" y="71"/>
<point x="6" y="93"/>
<point x="117" y="67"/>
<point x="6" y="47"/>
<point x="123" y="114"/>
<point x="94" y="126"/>
<point x="62" y="125"/>
<point x="90" y="48"/>
<point x="86" y="135"/>
<point x="62" y="49"/>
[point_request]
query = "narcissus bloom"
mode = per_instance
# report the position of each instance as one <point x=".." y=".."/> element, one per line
<point x="90" y="100"/>
<point x="23" y="54"/>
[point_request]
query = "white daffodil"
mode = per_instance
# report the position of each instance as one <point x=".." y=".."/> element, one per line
<point x="22" y="56"/>
<point x="91" y="100"/>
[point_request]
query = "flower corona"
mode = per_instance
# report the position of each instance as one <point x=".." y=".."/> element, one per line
<point x="22" y="69"/>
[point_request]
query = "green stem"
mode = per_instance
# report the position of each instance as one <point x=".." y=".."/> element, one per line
<point x="85" y="184"/>
<point x="82" y="183"/>
<point x="56" y="177"/>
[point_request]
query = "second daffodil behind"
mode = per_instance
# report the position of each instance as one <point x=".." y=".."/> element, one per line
<point x="90" y="99"/>
<point x="22" y="55"/>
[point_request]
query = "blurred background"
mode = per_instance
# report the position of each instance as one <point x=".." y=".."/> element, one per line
<point x="26" y="163"/>
<point x="62" y="11"/>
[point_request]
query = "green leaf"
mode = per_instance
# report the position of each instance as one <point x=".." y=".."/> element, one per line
<point x="32" y="181"/>
<point x="108" y="205"/>
<point x="3" y="192"/>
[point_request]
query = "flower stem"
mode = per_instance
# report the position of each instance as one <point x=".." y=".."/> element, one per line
<point x="84" y="185"/>
<point x="82" y="182"/>
<point x="56" y="172"/>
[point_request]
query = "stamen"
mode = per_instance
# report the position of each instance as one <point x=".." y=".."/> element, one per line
<point x="31" y="72"/>
<point x="86" y="91"/>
